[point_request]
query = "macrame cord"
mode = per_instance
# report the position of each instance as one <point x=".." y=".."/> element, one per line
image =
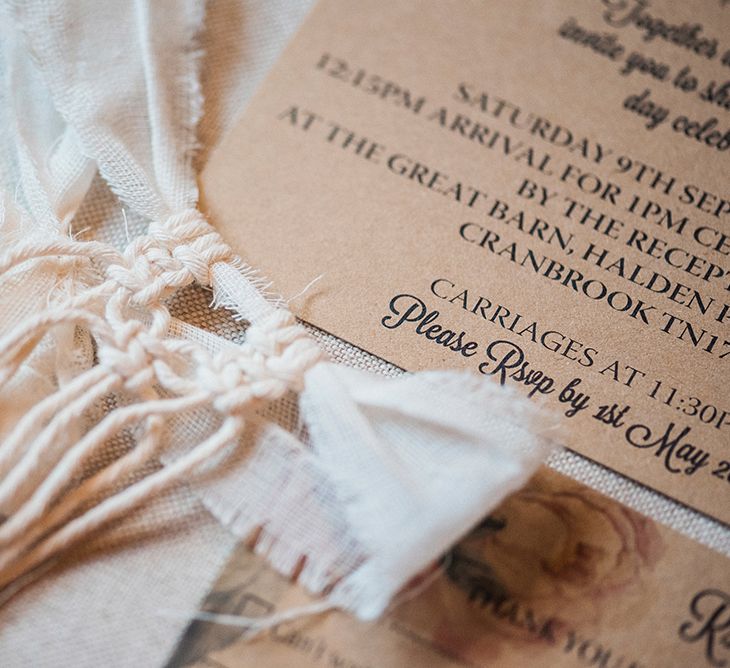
<point x="421" y="457"/>
<point x="137" y="358"/>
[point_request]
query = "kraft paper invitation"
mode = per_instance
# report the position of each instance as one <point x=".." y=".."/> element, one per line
<point x="536" y="191"/>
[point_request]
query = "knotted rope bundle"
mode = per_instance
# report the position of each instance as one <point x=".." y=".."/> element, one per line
<point x="375" y="457"/>
<point x="159" y="376"/>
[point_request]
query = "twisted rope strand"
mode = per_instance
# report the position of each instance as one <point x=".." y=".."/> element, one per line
<point x="97" y="485"/>
<point x="38" y="249"/>
<point x="61" y="475"/>
<point x="42" y="452"/>
<point x="14" y="565"/>
<point x="22" y="340"/>
<point x="38" y="416"/>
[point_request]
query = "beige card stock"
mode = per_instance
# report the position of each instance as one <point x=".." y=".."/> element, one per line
<point x="547" y="180"/>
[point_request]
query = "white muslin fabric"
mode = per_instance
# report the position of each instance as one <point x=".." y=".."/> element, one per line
<point x="109" y="402"/>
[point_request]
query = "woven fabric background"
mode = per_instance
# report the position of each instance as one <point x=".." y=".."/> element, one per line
<point x="112" y="611"/>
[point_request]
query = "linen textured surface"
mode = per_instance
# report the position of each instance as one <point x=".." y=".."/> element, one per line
<point x="103" y="604"/>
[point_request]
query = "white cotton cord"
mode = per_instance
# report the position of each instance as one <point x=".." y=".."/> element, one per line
<point x="254" y="626"/>
<point x="275" y="357"/>
<point x="41" y="453"/>
<point x="38" y="416"/>
<point x="100" y="483"/>
<point x="61" y="475"/>
<point x="20" y="342"/>
<point x="13" y="564"/>
<point x="38" y="249"/>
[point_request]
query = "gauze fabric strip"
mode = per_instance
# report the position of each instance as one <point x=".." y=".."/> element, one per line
<point x="372" y="457"/>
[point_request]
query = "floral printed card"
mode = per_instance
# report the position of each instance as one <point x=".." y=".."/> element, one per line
<point x="558" y="576"/>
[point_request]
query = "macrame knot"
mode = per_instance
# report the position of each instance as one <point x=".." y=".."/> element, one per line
<point x="286" y="349"/>
<point x="226" y="379"/>
<point x="274" y="331"/>
<point x="194" y="242"/>
<point x="234" y="379"/>
<point x="174" y="253"/>
<point x="128" y="356"/>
